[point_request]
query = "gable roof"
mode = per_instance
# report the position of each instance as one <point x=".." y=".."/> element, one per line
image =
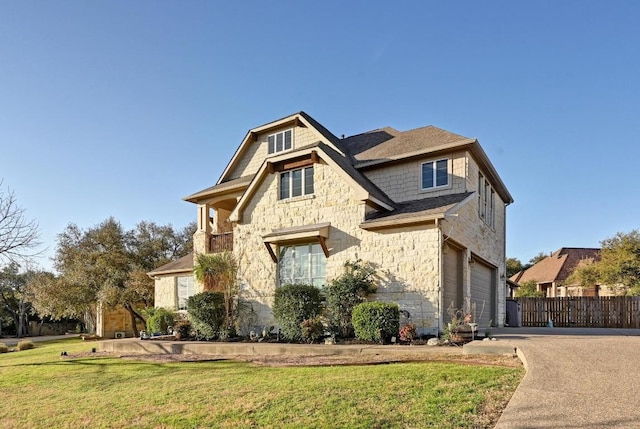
<point x="182" y="265"/>
<point x="390" y="144"/>
<point x="299" y="118"/>
<point x="365" y="190"/>
<point x="229" y="186"/>
<point x="557" y="267"/>
<point x="355" y="154"/>
<point x="387" y="145"/>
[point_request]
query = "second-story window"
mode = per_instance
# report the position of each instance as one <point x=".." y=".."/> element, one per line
<point x="281" y="141"/>
<point x="486" y="201"/>
<point x="435" y="174"/>
<point x="295" y="183"/>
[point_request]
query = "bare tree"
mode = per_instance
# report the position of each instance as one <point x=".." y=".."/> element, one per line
<point x="18" y="235"/>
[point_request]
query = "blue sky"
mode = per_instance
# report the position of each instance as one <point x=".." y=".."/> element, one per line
<point x="115" y="108"/>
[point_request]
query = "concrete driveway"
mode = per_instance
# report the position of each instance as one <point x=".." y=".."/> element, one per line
<point x="576" y="378"/>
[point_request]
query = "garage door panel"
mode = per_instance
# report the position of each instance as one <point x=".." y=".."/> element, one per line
<point x="452" y="291"/>
<point x="483" y="293"/>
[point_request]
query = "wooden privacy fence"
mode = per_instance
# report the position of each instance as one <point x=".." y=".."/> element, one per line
<point x="582" y="311"/>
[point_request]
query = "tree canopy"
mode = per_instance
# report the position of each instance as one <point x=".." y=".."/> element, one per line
<point x="618" y="267"/>
<point x="19" y="236"/>
<point x="107" y="264"/>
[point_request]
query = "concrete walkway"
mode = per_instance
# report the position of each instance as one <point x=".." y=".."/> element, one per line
<point x="12" y="341"/>
<point x="576" y="378"/>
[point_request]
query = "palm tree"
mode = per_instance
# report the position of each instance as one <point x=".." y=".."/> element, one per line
<point x="218" y="272"/>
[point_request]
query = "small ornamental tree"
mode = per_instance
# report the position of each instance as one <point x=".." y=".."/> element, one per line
<point x="376" y="321"/>
<point x="293" y="305"/>
<point x="529" y="289"/>
<point x="219" y="273"/>
<point x="345" y="292"/>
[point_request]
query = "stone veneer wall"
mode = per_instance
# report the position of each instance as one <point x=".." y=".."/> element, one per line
<point x="480" y="239"/>
<point x="406" y="258"/>
<point x="114" y="320"/>
<point x="402" y="182"/>
<point x="165" y="292"/>
<point x="257" y="152"/>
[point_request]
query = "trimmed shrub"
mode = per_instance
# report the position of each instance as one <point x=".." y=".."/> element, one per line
<point x="207" y="314"/>
<point x="376" y="321"/>
<point x="292" y="305"/>
<point x="4" y="348"/>
<point x="312" y="329"/>
<point x="160" y="321"/>
<point x="25" y="345"/>
<point x="345" y="292"/>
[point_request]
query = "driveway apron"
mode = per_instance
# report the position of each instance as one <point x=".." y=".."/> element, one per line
<point x="576" y="378"/>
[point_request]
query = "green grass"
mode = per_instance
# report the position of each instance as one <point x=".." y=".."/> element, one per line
<point x="39" y="389"/>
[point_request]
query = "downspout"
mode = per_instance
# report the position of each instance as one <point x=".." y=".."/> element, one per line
<point x="440" y="275"/>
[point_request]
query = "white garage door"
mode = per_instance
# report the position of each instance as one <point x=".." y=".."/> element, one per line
<point x="452" y="290"/>
<point x="483" y="293"/>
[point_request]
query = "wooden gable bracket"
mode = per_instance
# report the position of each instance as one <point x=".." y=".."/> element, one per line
<point x="323" y="244"/>
<point x="271" y="168"/>
<point x="274" y="258"/>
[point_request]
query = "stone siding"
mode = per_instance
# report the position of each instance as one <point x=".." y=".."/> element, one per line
<point x="165" y="292"/>
<point x="481" y="240"/>
<point x="402" y="182"/>
<point x="257" y="152"/>
<point x="406" y="258"/>
<point x="115" y="320"/>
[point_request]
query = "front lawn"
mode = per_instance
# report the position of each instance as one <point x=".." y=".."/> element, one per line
<point x="41" y="389"/>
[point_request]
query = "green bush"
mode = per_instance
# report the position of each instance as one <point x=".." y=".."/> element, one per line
<point x="206" y="314"/>
<point x="160" y="321"/>
<point x="292" y="305"/>
<point x="4" y="348"/>
<point x="345" y="292"/>
<point x="25" y="345"/>
<point x="376" y="321"/>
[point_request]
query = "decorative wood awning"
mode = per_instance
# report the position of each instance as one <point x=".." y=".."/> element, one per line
<point x="298" y="234"/>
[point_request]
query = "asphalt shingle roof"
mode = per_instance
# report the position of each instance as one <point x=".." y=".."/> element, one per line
<point x="183" y="264"/>
<point x="419" y="208"/>
<point x="389" y="143"/>
<point x="557" y="267"/>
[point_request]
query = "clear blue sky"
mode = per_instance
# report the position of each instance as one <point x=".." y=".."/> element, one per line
<point x="115" y="108"/>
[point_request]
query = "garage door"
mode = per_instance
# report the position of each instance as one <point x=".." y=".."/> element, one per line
<point x="452" y="291"/>
<point x="483" y="293"/>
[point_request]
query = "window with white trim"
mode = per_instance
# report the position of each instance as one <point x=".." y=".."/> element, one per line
<point x="185" y="289"/>
<point x="295" y="183"/>
<point x="486" y="201"/>
<point x="279" y="142"/>
<point x="305" y="263"/>
<point x="435" y="174"/>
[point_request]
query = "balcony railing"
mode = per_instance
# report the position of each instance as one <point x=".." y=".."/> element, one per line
<point x="221" y="242"/>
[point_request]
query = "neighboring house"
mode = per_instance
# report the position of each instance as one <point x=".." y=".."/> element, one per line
<point x="295" y="202"/>
<point x="552" y="272"/>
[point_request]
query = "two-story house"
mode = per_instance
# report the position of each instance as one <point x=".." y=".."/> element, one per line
<point x="425" y="206"/>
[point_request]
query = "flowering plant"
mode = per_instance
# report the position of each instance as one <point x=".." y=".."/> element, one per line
<point x="408" y="332"/>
